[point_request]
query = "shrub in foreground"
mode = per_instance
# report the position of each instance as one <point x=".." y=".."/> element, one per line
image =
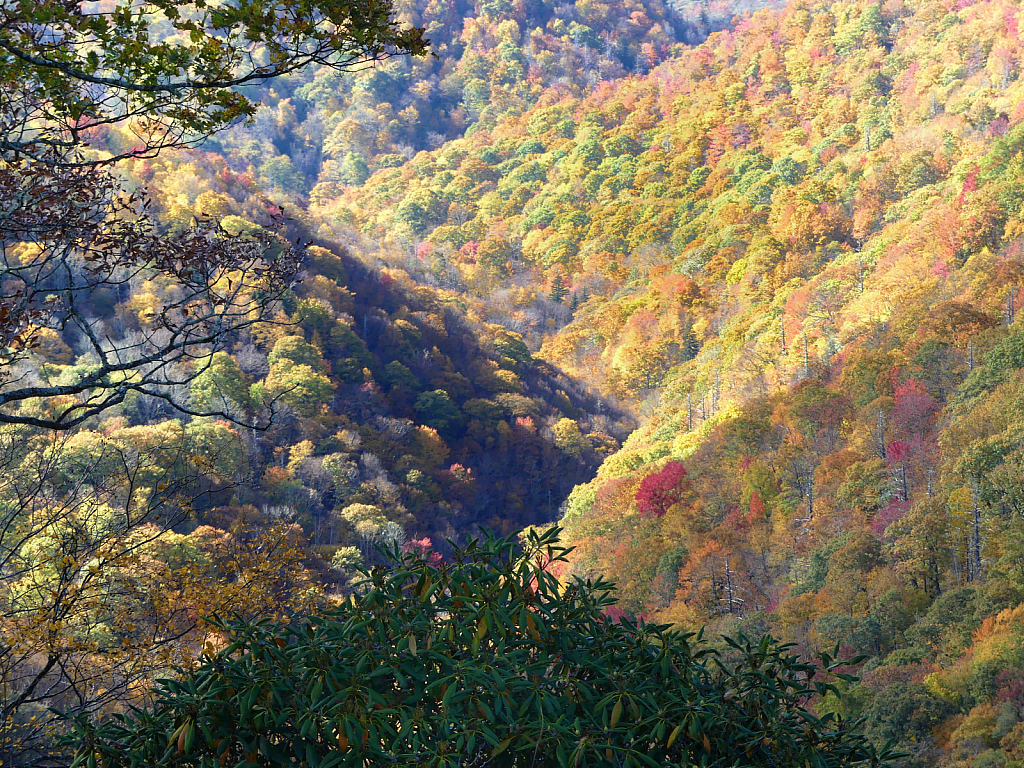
<point x="485" y="660"/>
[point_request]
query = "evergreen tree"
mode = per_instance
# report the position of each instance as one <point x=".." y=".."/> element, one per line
<point x="558" y="290"/>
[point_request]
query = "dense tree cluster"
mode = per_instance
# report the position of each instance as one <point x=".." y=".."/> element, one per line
<point x="395" y="420"/>
<point x="165" y="74"/>
<point x="317" y="130"/>
<point x="189" y="424"/>
<point x="794" y="251"/>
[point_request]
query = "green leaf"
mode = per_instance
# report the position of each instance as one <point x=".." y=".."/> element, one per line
<point x="616" y="713"/>
<point x="567" y="702"/>
<point x="673" y="736"/>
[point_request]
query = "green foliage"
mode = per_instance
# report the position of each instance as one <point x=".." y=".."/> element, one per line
<point x="947" y="627"/>
<point x="487" y="657"/>
<point x="170" y="61"/>
<point x="219" y="448"/>
<point x="421" y="211"/>
<point x="510" y="345"/>
<point x="299" y="385"/>
<point x="219" y="385"/>
<point x="349" y="352"/>
<point x="347" y="560"/>
<point x="817" y="572"/>
<point x="558" y="290"/>
<point x="397" y="375"/>
<point x="904" y="714"/>
<point x="568" y="437"/>
<point x="437" y="410"/>
<point x="1003" y="361"/>
<point x="281" y="174"/>
<point x="295" y="349"/>
<point x="354" y="169"/>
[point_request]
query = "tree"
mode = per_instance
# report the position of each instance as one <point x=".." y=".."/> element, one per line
<point x="568" y="437"/>
<point x="167" y="70"/>
<point x="558" y="289"/>
<point x="644" y="367"/>
<point x="353" y="170"/>
<point x="437" y="410"/>
<point x="97" y="593"/>
<point x="296" y="349"/>
<point x="221" y="385"/>
<point x="68" y="238"/>
<point x="166" y="73"/>
<point x="487" y="659"/>
<point x="297" y="385"/>
<point x="662" y="490"/>
<point x="280" y="173"/>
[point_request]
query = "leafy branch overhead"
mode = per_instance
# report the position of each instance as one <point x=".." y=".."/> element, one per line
<point x="486" y="660"/>
<point x="171" y="68"/>
<point x="80" y="237"/>
<point x="169" y="73"/>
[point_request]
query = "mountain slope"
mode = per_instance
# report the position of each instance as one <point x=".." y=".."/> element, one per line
<point x="399" y="416"/>
<point x="798" y="251"/>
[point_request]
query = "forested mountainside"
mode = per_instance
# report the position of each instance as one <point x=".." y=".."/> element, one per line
<point x="319" y="131"/>
<point x="797" y="249"/>
<point x="382" y="413"/>
<point x="395" y="405"/>
<point x="792" y="253"/>
<point x="143" y="490"/>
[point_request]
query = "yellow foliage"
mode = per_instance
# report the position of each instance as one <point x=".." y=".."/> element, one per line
<point x="51" y="347"/>
<point x="299" y="453"/>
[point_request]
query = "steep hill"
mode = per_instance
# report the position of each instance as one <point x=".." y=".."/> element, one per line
<point x="798" y="250"/>
<point x="399" y="416"/>
<point x="320" y="131"/>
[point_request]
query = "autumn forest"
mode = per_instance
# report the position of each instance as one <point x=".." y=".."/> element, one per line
<point x="725" y="298"/>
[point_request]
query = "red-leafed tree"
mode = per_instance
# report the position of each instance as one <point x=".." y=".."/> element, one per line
<point x="757" y="508"/>
<point x="913" y="408"/>
<point x="662" y="490"/>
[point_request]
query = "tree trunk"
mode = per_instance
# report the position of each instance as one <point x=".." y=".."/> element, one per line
<point x="974" y="554"/>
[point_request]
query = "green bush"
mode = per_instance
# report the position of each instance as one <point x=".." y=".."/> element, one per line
<point x="482" y="660"/>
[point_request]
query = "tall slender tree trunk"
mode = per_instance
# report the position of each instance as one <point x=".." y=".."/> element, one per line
<point x="880" y="435"/>
<point x="810" y="495"/>
<point x="974" y="553"/>
<point x="728" y="585"/>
